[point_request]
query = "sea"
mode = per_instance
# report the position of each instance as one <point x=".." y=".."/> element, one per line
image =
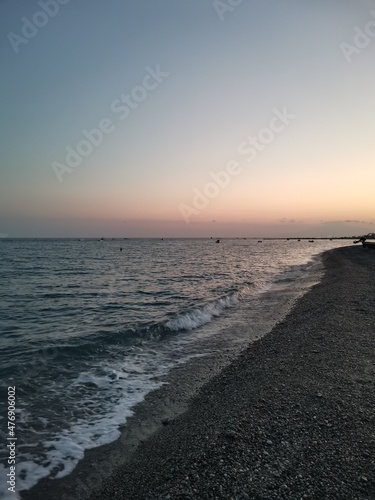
<point x="88" y="327"/>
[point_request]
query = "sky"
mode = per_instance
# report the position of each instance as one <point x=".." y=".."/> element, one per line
<point x="167" y="118"/>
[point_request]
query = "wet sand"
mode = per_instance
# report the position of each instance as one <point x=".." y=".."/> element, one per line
<point x="292" y="417"/>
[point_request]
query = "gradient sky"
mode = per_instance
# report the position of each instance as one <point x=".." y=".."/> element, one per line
<point x="225" y="72"/>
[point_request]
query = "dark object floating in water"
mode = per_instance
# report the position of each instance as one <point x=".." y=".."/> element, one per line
<point x="299" y="240"/>
<point x="218" y="241"/>
<point x="260" y="241"/>
<point x="120" y="249"/>
<point x="311" y="241"/>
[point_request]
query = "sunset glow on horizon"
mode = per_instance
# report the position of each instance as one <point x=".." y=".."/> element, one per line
<point x="188" y="119"/>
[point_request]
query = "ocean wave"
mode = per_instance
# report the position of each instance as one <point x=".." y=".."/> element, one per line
<point x="200" y="316"/>
<point x="295" y="272"/>
<point x="108" y="395"/>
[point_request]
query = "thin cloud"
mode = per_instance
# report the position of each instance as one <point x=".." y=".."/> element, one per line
<point x="347" y="221"/>
<point x="284" y="220"/>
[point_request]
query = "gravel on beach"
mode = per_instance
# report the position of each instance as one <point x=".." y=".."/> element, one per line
<point x="292" y="417"/>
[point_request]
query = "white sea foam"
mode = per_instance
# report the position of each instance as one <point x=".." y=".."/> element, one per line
<point x="203" y="315"/>
<point x="125" y="385"/>
<point x="134" y="380"/>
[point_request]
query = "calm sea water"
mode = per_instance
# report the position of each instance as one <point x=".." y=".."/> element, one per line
<point x="87" y="329"/>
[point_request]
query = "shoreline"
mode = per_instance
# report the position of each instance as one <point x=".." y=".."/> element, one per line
<point x="202" y="419"/>
<point x="180" y="385"/>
